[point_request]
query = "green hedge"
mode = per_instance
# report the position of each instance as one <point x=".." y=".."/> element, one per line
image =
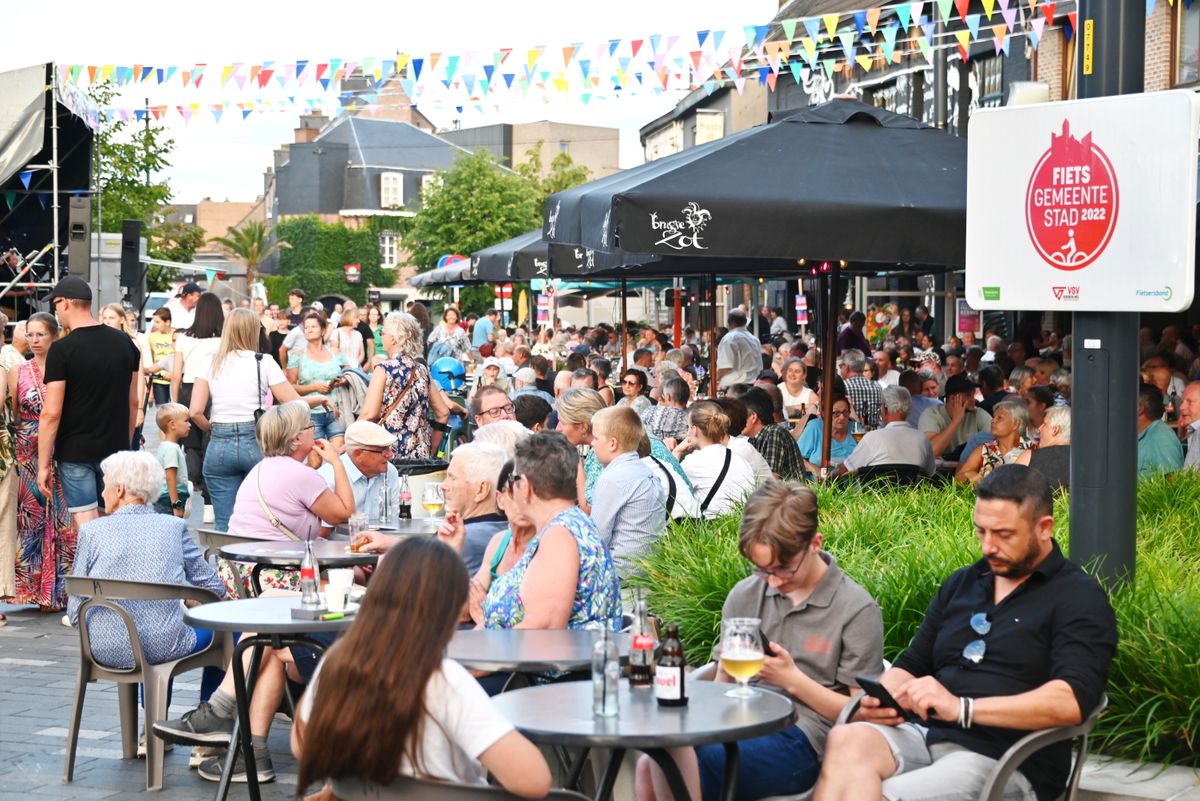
<point x="902" y="543"/>
<point x="318" y="252"/>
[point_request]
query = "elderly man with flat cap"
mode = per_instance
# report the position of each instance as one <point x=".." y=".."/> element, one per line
<point x="369" y="448"/>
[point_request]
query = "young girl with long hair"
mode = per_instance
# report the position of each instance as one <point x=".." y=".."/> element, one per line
<point x="386" y="702"/>
<point x="194" y="349"/>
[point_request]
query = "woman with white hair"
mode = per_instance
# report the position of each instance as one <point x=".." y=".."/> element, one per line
<point x="401" y="392"/>
<point x="1010" y="418"/>
<point x="135" y="543"/>
<point x="1052" y="456"/>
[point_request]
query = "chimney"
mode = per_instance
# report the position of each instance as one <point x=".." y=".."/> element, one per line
<point x="310" y="126"/>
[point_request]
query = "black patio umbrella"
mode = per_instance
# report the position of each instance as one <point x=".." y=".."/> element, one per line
<point x="842" y="182"/>
<point x="521" y="258"/>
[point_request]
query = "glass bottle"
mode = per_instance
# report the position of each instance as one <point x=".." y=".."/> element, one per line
<point x="606" y="673"/>
<point x="405" y="512"/>
<point x="641" y="647"/>
<point x="310" y="573"/>
<point x="385" y="504"/>
<point x="670" y="675"/>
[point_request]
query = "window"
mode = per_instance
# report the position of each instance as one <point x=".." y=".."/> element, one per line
<point x="389" y="247"/>
<point x="989" y="81"/>
<point x="1187" y="59"/>
<point x="391" y="190"/>
<point x="430" y="181"/>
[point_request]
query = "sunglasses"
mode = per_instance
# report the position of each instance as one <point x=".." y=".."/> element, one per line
<point x="785" y="573"/>
<point x="973" y="651"/>
<point x="508" y="484"/>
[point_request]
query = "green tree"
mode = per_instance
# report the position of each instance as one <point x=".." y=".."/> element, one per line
<point x="564" y="172"/>
<point x="318" y="254"/>
<point x="475" y="204"/>
<point x="170" y="241"/>
<point x="128" y="155"/>
<point x="251" y="245"/>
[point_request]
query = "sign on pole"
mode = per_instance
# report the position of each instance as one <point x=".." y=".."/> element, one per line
<point x="968" y="319"/>
<point x="1088" y="205"/>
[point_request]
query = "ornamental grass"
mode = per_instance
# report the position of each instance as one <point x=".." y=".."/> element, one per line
<point x="901" y="543"/>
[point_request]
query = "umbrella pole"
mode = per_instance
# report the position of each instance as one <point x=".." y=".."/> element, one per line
<point x="828" y="362"/>
<point x="712" y="334"/>
<point x="677" y="304"/>
<point x="624" y="329"/>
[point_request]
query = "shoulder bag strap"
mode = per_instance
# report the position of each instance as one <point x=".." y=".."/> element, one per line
<point x="275" y="521"/>
<point x="671" y="487"/>
<point x="391" y="407"/>
<point x="258" y="357"/>
<point x="720" y="478"/>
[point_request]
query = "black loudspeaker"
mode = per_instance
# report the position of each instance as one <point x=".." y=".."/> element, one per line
<point x="131" y="268"/>
<point x="79" y="237"/>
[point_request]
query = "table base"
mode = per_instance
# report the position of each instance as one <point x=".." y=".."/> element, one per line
<point x="663" y="759"/>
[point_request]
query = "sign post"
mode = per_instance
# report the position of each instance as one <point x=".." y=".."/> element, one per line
<point x="1092" y="210"/>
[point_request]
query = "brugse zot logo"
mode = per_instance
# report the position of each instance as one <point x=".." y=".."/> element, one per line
<point x="1071" y="202"/>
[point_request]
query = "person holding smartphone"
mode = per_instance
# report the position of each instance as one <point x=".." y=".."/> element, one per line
<point x="821" y="629"/>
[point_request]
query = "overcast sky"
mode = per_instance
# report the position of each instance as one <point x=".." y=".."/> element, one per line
<point x="227" y="159"/>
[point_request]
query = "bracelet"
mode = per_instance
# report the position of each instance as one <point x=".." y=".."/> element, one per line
<point x="970" y="712"/>
<point x="962" y="712"/>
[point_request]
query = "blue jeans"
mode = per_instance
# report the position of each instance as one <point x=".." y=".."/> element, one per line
<point x="325" y="426"/>
<point x="83" y="484"/>
<point x="204" y="638"/>
<point x="232" y="452"/>
<point x="777" y="764"/>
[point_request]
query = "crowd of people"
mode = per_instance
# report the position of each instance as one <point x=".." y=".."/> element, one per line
<point x="567" y="461"/>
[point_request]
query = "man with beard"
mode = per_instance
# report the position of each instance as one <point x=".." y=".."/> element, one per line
<point x="1020" y="640"/>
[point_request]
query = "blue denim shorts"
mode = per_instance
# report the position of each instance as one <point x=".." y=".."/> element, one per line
<point x="325" y="426"/>
<point x="783" y="763"/>
<point x="83" y="485"/>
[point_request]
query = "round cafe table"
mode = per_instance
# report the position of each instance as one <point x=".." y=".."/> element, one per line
<point x="528" y="650"/>
<point x="420" y="526"/>
<point x="287" y="555"/>
<point x="270" y="620"/>
<point x="561" y="714"/>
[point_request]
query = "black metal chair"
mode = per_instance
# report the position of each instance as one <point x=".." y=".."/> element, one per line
<point x="900" y="475"/>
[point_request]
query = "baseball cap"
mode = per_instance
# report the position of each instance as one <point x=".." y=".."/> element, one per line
<point x="525" y="375"/>
<point x="71" y="287"/>
<point x="189" y="288"/>
<point x="491" y="361"/>
<point x="959" y="383"/>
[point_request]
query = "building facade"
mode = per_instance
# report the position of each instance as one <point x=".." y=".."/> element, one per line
<point x="594" y="147"/>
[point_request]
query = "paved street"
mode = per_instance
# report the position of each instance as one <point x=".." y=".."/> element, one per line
<point x="39" y="660"/>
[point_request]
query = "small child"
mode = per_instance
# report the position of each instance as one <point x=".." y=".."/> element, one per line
<point x="174" y="423"/>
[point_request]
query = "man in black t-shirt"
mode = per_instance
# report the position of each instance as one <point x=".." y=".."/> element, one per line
<point x="1020" y="640"/>
<point x="91" y="400"/>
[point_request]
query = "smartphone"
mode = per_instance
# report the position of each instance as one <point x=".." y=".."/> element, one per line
<point x="766" y="644"/>
<point x="876" y="690"/>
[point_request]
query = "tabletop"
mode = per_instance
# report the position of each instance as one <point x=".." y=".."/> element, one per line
<point x="528" y="650"/>
<point x="289" y="553"/>
<point x="270" y="615"/>
<point x="425" y="526"/>
<point x="561" y="714"/>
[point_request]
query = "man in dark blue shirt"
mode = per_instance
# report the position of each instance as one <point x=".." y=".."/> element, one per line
<point x="1020" y="640"/>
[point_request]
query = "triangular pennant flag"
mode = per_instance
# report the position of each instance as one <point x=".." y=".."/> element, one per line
<point x="226" y="73"/>
<point x="198" y="74"/>
<point x="568" y="54"/>
<point x="43" y="198"/>
<point x="972" y="21"/>
<point x="246" y="113"/>
<point x="797" y="72"/>
<point x="1072" y="17"/>
<point x="860" y="21"/>
<point x="810" y="50"/>
<point x="763" y="72"/>
<point x="772" y="79"/>
<point x="321" y="68"/>
<point x="585" y="67"/>
<point x="930" y="29"/>
<point x="740" y="85"/>
<point x="696" y="56"/>
<point x="989" y="6"/>
<point x="635" y="45"/>
<point x="998" y="33"/>
<point x="760" y="34"/>
<point x="701" y="37"/>
<point x="10" y="199"/>
<point x="813" y="26"/>
<point x="847" y="38"/>
<point x="1048" y="11"/>
<point x="710" y="86"/>
<point x="451" y="66"/>
<point x="654" y="40"/>
<point x="613" y="44"/>
<point x="717" y="38"/>
<point x="240" y="80"/>
<point x="417" y="65"/>
<point x="864" y="62"/>
<point x="829" y="64"/>
<point x="889" y="41"/>
<point x="26" y="176"/>
<point x="873" y="19"/>
<point x="964" y="44"/>
<point x="434" y="58"/>
<point x="301" y="66"/>
<point x="217" y="111"/>
<point x="831" y="24"/>
<point x="963" y="6"/>
<point x="1068" y="29"/>
<point x="1037" y="24"/>
<point x="160" y="75"/>
<point x="923" y="44"/>
<point x="944" y="7"/>
<point x="1150" y="7"/>
<point x="749" y="32"/>
<point x="789" y="28"/>
<point x="140" y="114"/>
<point x="468" y="82"/>
<point x="903" y="16"/>
<point x="1010" y="17"/>
<point x="170" y="73"/>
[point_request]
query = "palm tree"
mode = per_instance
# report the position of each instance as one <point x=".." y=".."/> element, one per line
<point x="251" y="245"/>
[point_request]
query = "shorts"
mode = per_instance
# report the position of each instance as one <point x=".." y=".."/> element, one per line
<point x="305" y="659"/>
<point x="942" y="771"/>
<point x="83" y="485"/>
<point x="163" y="504"/>
<point x="783" y="763"/>
<point x="325" y="426"/>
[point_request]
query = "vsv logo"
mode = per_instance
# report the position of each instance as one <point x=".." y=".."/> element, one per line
<point x="685" y="233"/>
<point x="1065" y="292"/>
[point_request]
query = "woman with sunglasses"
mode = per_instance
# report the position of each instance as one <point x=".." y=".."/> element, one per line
<point x="823" y="629"/>
<point x="633" y="386"/>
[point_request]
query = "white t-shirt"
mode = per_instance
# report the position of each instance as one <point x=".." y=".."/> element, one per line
<point x="181" y="318"/>
<point x="799" y="400"/>
<point x="740" y="352"/>
<point x="703" y="467"/>
<point x="461" y="725"/>
<point x="236" y="392"/>
<point x="349" y="344"/>
<point x="741" y="446"/>
<point x="197" y="355"/>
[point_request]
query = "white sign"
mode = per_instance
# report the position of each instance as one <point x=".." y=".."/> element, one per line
<point x="1088" y="205"/>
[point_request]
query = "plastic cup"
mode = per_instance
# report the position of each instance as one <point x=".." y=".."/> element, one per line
<point x="341" y="577"/>
<point x="335" y="598"/>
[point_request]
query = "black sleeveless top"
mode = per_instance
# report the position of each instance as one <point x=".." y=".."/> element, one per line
<point x="1054" y="463"/>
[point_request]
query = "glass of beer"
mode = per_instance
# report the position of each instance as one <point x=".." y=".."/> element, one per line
<point x="432" y="499"/>
<point x="741" y="653"/>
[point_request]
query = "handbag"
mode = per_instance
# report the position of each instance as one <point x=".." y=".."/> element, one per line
<point x="391" y="407"/>
<point x="274" y="521"/>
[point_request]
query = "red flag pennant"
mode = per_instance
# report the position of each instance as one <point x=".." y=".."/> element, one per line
<point x="963" y="7"/>
<point x="1048" y="11"/>
<point x="635" y="45"/>
<point x="1072" y="17"/>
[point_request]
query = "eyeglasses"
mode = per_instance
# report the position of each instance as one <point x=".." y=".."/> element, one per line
<point x="973" y="651"/>
<point x="785" y="573"/>
<point x="499" y="410"/>
<point x="309" y="427"/>
<point x="388" y="451"/>
<point x="843" y="413"/>
<point x="508" y="484"/>
<point x="627" y="383"/>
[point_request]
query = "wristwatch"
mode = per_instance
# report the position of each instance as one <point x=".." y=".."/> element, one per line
<point x="178" y="504"/>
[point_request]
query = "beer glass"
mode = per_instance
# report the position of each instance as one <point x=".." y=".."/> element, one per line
<point x="741" y="653"/>
<point x="432" y="499"/>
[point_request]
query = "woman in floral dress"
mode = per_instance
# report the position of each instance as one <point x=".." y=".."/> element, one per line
<point x="45" y="534"/>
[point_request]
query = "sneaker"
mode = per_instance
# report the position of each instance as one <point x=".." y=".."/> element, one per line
<point x="211" y="769"/>
<point x="210" y="514"/>
<point x="199" y="726"/>
<point x="66" y="621"/>
<point x="202" y="753"/>
<point x="141" y="752"/>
